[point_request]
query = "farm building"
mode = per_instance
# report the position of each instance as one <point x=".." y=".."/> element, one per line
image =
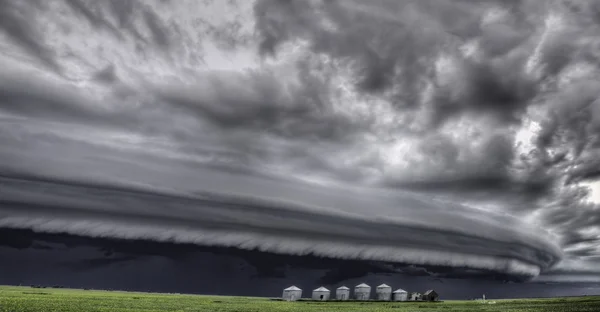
<point x="400" y="295"/>
<point x="430" y="295"/>
<point x="362" y="292"/>
<point x="321" y="293"/>
<point x="292" y="293"/>
<point x="383" y="292"/>
<point x="342" y="293"/>
<point x="415" y="296"/>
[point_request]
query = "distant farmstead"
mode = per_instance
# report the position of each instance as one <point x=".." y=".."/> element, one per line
<point x="292" y="293"/>
<point x="400" y="295"/>
<point x="430" y="295"/>
<point x="383" y="292"/>
<point x="362" y="292"/>
<point x="321" y="293"/>
<point x="342" y="293"/>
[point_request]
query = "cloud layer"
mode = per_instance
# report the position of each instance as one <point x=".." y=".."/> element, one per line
<point x="414" y="131"/>
<point x="447" y="239"/>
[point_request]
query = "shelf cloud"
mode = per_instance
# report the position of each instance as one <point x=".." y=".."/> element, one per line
<point x="480" y="241"/>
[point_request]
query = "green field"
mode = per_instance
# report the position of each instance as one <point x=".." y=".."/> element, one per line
<point x="16" y="299"/>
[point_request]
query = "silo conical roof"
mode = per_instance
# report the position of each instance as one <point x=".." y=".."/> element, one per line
<point x="292" y="288"/>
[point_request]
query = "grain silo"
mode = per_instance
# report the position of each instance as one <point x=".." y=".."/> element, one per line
<point x="321" y="293"/>
<point x="383" y="292"/>
<point x="292" y="293"/>
<point x="342" y="293"/>
<point x="400" y="295"/>
<point x="362" y="292"/>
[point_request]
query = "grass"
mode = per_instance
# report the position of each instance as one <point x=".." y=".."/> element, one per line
<point x="17" y="299"/>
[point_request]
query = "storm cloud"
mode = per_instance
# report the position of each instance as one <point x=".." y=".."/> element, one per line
<point x="455" y="134"/>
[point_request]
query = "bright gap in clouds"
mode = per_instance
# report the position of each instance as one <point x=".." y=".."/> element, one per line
<point x="594" y="191"/>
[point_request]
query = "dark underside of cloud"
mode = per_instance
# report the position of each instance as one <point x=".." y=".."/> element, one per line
<point x="267" y="265"/>
<point x="137" y="265"/>
<point x="443" y="134"/>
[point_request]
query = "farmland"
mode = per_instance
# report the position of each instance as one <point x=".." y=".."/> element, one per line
<point x="17" y="299"/>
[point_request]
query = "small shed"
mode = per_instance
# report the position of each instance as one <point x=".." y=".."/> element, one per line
<point x="292" y="293"/>
<point x="400" y="295"/>
<point x="342" y="293"/>
<point x="430" y="295"/>
<point x="321" y="293"/>
<point x="362" y="292"/>
<point x="383" y="292"/>
<point x="415" y="296"/>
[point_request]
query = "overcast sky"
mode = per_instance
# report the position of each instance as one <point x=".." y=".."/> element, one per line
<point x="452" y="133"/>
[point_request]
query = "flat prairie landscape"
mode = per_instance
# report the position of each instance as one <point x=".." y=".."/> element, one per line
<point x="17" y="299"/>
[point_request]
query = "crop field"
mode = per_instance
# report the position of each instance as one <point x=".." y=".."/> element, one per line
<point x="17" y="299"/>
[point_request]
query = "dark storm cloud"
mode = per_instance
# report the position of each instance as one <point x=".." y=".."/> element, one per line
<point x="575" y="268"/>
<point x="107" y="75"/>
<point x="499" y="80"/>
<point x="123" y="11"/>
<point x="248" y="223"/>
<point x="394" y="55"/>
<point x="356" y="101"/>
<point x="486" y="171"/>
<point x="14" y="22"/>
<point x="159" y="34"/>
<point x="374" y="41"/>
<point x="261" y="104"/>
<point x="45" y="99"/>
<point x="236" y="126"/>
<point x="475" y="184"/>
<point x="95" y="18"/>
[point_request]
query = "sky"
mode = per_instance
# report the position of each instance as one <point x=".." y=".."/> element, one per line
<point x="456" y="134"/>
